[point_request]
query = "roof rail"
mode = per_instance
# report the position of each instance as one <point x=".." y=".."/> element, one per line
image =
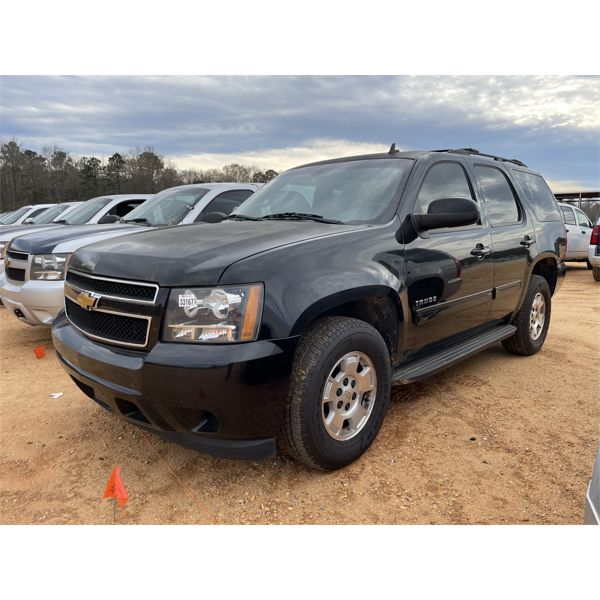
<point x="473" y="151"/>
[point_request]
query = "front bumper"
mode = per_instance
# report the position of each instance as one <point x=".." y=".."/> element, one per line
<point x="33" y="302"/>
<point x="225" y="400"/>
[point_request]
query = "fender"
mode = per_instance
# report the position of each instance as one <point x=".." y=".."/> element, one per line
<point x="543" y="256"/>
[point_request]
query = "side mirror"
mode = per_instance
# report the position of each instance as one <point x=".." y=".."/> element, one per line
<point x="211" y="217"/>
<point x="106" y="219"/>
<point x="448" y="212"/>
<point x="28" y="221"/>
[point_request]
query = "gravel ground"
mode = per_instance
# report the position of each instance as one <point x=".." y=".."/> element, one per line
<point x="495" y="439"/>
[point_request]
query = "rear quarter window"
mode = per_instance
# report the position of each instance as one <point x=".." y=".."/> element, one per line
<point x="538" y="194"/>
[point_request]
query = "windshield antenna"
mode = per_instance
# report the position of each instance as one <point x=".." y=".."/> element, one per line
<point x="393" y="149"/>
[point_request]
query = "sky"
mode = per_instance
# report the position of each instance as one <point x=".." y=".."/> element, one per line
<point x="552" y="123"/>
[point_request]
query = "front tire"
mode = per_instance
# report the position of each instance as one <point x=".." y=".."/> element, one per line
<point x="339" y="393"/>
<point x="596" y="273"/>
<point x="532" y="320"/>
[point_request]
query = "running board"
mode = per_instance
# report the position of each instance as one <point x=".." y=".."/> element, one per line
<point x="420" y="368"/>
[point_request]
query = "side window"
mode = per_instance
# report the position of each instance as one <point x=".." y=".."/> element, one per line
<point x="36" y="212"/>
<point x="568" y="215"/>
<point x="538" y="193"/>
<point x="125" y="207"/>
<point x="443" y="180"/>
<point x="500" y="201"/>
<point x="225" y="202"/>
<point x="582" y="218"/>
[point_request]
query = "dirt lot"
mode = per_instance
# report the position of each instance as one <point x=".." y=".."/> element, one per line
<point x="496" y="439"/>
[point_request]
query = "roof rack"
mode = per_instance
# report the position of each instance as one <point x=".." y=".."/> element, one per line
<point x="473" y="151"/>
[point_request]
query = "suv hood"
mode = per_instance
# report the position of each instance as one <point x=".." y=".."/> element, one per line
<point x="9" y="232"/>
<point x="195" y="254"/>
<point x="44" y="242"/>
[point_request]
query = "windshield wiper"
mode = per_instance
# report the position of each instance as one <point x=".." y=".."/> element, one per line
<point x="138" y="221"/>
<point x="296" y="216"/>
<point x="242" y="217"/>
<point x="61" y="221"/>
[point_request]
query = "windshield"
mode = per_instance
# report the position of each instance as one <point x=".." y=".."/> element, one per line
<point x="82" y="214"/>
<point x="50" y="214"/>
<point x="167" y="208"/>
<point x="357" y="191"/>
<point x="14" y="216"/>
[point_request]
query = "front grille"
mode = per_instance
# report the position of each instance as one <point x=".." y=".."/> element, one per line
<point x="17" y="255"/>
<point x="111" y="287"/>
<point x="15" y="274"/>
<point x="107" y="326"/>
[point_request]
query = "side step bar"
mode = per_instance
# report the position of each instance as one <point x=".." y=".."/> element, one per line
<point x="423" y="367"/>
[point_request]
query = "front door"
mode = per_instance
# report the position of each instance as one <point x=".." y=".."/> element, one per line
<point x="449" y="273"/>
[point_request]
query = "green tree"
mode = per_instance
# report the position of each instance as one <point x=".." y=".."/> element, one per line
<point x="115" y="171"/>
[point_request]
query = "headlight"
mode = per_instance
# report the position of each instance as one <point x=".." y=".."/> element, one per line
<point x="50" y="267"/>
<point x="2" y="250"/>
<point x="214" y="315"/>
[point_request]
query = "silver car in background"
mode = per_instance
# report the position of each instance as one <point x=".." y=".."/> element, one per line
<point x="19" y="216"/>
<point x="592" y="499"/>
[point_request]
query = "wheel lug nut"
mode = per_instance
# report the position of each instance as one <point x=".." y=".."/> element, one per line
<point x="354" y="384"/>
<point x="348" y="406"/>
<point x="340" y="404"/>
<point x="354" y="396"/>
<point x="346" y="381"/>
<point x="338" y="392"/>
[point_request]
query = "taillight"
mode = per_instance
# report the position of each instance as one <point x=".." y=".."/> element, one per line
<point x="595" y="235"/>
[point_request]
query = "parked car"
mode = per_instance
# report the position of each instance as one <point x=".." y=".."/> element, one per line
<point x="592" y="499"/>
<point x="594" y="251"/>
<point x="43" y="220"/>
<point x="287" y="322"/>
<point x="579" y="229"/>
<point x="104" y="209"/>
<point x="32" y="285"/>
<point x="19" y="216"/>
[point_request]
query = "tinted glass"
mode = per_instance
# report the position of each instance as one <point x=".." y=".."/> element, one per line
<point x="50" y="214"/>
<point x="500" y="201"/>
<point x="569" y="217"/>
<point x="124" y="208"/>
<point x="14" y="216"/>
<point x="226" y="202"/>
<point x="169" y="207"/>
<point x="82" y="214"/>
<point x="582" y="218"/>
<point x="541" y="199"/>
<point x="358" y="191"/>
<point x="443" y="180"/>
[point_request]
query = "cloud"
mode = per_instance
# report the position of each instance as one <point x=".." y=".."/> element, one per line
<point x="552" y="123"/>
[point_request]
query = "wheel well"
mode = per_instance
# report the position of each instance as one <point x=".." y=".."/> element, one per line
<point x="547" y="268"/>
<point x="382" y="312"/>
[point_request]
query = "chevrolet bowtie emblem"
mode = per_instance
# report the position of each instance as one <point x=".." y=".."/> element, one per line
<point x="87" y="300"/>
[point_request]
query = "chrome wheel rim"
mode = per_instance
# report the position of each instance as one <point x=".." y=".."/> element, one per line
<point x="348" y="396"/>
<point x="537" y="317"/>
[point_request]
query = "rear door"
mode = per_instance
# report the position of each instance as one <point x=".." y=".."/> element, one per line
<point x="512" y="233"/>
<point x="449" y="273"/>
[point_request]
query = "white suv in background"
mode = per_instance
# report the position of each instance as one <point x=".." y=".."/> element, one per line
<point x="19" y="216"/>
<point x="594" y="250"/>
<point x="579" y="230"/>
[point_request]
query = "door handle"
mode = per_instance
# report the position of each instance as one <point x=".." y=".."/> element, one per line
<point x="481" y="251"/>
<point x="527" y="241"/>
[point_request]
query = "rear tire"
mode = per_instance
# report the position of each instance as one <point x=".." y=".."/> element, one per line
<point x="532" y="320"/>
<point x="596" y="273"/>
<point x="589" y="265"/>
<point x="339" y="393"/>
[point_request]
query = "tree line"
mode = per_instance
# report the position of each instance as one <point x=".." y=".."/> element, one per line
<point x="54" y="175"/>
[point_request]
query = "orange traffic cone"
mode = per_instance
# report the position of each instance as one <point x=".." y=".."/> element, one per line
<point x="39" y="351"/>
<point x="115" y="488"/>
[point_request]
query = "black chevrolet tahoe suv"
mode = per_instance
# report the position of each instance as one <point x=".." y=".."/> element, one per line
<point x="287" y="323"/>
